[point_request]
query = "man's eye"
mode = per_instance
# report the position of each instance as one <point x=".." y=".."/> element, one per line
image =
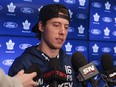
<point x="56" y="25"/>
<point x="66" y="27"/>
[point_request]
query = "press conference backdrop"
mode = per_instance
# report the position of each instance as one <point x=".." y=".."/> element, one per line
<point x="91" y="31"/>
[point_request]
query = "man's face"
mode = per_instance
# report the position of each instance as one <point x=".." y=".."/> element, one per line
<point x="55" y="32"/>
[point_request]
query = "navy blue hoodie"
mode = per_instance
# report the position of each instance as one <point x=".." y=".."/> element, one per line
<point x="32" y="55"/>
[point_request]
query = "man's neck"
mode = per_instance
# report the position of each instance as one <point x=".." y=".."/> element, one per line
<point x="52" y="53"/>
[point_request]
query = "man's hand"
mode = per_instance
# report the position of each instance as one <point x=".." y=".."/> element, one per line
<point x="26" y="79"/>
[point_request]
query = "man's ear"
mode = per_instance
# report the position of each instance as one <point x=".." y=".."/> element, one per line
<point x="40" y="26"/>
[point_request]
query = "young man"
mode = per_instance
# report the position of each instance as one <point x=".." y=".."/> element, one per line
<point x="19" y="80"/>
<point x="52" y="30"/>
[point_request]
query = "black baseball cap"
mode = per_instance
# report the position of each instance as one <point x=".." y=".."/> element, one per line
<point x="50" y="11"/>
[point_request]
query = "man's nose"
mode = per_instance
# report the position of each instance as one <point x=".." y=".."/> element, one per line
<point x="62" y="30"/>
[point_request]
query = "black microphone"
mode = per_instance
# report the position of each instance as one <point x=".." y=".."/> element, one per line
<point x="54" y="75"/>
<point x="107" y="62"/>
<point x="85" y="69"/>
<point x="109" y="71"/>
<point x="35" y="68"/>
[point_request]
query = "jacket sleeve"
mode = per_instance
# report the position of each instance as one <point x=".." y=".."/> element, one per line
<point x="7" y="81"/>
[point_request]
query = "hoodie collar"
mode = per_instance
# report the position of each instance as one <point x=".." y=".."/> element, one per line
<point x="33" y="50"/>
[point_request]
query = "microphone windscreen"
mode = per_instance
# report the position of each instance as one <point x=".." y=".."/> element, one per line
<point x="78" y="60"/>
<point x="106" y="62"/>
<point x="35" y="68"/>
<point x="54" y="63"/>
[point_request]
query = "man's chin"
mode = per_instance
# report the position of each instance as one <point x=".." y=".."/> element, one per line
<point x="58" y="47"/>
